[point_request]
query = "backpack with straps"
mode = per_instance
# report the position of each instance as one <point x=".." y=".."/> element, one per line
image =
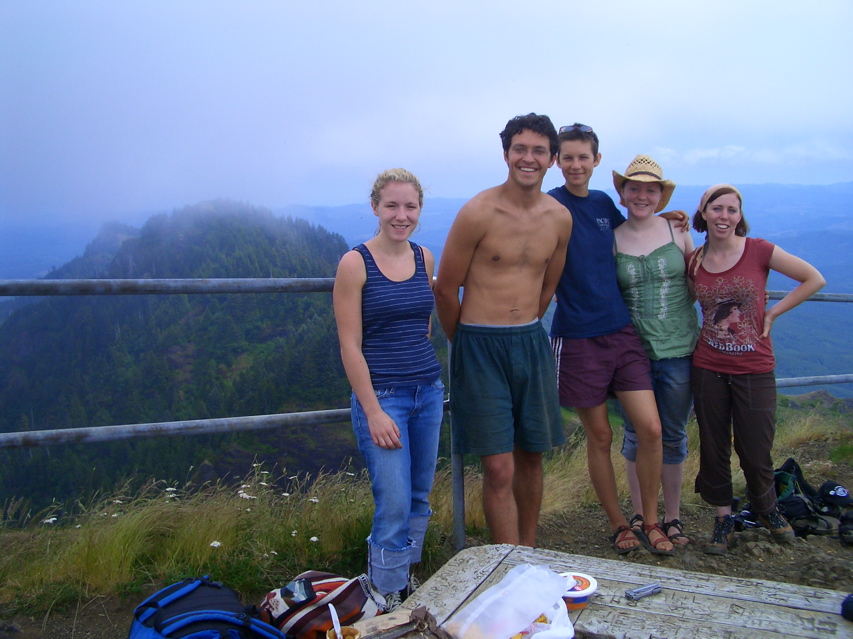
<point x="198" y="609"/>
<point x="354" y="599"/>
<point x="800" y="502"/>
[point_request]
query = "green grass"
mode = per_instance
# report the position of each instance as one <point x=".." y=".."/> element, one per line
<point x="252" y="537"/>
<point x="257" y="535"/>
<point x="843" y="453"/>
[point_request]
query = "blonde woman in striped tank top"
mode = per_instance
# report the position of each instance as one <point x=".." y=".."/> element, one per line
<point x="383" y="302"/>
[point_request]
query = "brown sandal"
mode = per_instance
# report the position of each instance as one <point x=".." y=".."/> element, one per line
<point x="678" y="538"/>
<point x="620" y="536"/>
<point x="652" y="546"/>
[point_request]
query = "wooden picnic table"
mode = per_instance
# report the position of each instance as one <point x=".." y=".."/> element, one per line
<point x="692" y="605"/>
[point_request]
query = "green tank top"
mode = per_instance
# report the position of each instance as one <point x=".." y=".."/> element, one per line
<point x="654" y="287"/>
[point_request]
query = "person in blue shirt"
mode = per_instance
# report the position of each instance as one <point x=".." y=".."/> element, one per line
<point x="598" y="352"/>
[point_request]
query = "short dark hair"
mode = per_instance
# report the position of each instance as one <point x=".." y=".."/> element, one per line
<point x="577" y="132"/>
<point x="701" y="225"/>
<point x="540" y="124"/>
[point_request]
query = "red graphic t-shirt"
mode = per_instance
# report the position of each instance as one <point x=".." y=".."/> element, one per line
<point x="733" y="314"/>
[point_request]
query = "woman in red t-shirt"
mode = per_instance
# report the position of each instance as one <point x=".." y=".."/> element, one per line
<point x="733" y="383"/>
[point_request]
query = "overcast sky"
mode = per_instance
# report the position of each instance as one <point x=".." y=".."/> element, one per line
<point x="112" y="108"/>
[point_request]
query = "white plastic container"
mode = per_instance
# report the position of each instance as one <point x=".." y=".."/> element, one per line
<point x="579" y="591"/>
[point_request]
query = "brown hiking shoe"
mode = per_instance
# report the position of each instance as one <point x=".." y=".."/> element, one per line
<point x="780" y="529"/>
<point x="724" y="530"/>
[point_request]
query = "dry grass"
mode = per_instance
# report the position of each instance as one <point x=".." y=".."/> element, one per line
<point x="264" y="532"/>
<point x="257" y="535"/>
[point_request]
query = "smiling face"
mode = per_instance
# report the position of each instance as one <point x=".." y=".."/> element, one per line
<point x="398" y="210"/>
<point x="577" y="162"/>
<point x="528" y="158"/>
<point x="722" y="216"/>
<point x="641" y="198"/>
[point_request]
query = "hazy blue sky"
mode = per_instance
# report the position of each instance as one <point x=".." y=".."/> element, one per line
<point x="115" y="107"/>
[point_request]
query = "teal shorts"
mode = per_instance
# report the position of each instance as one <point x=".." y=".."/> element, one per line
<point x="503" y="390"/>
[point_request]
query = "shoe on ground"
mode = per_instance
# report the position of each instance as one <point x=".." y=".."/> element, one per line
<point x="636" y="522"/>
<point x="393" y="600"/>
<point x="721" y="538"/>
<point x="413" y="584"/>
<point x="780" y="529"/>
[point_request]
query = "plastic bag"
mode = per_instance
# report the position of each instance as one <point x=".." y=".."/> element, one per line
<point x="559" y="625"/>
<point x="510" y="606"/>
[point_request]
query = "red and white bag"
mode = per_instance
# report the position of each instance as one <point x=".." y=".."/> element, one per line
<point x="353" y="599"/>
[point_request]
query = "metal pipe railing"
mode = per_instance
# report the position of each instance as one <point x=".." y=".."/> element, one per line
<point x="258" y="422"/>
<point x="61" y="436"/>
<point x="817" y="297"/>
<point x="12" y="288"/>
<point x="167" y="286"/>
<point x="788" y="382"/>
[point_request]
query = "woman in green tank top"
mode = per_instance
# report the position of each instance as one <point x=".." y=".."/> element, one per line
<point x="650" y="267"/>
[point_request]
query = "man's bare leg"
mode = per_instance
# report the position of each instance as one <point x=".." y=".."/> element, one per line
<point x="527" y="490"/>
<point x="599" y="438"/>
<point x="498" y="499"/>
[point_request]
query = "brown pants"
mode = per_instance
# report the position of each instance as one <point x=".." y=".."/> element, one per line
<point x="743" y="406"/>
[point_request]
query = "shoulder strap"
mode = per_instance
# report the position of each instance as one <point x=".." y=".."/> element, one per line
<point x="695" y="260"/>
<point x="418" y="250"/>
<point x="365" y="252"/>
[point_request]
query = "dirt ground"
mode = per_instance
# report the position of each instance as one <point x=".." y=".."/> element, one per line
<point x="816" y="561"/>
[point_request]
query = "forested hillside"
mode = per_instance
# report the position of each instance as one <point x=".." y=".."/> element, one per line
<point x="68" y="362"/>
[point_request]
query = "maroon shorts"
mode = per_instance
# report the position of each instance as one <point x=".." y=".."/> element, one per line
<point x="589" y="369"/>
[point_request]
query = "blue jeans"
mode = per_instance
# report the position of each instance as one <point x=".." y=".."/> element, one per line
<point x="401" y="479"/>
<point x="671" y="383"/>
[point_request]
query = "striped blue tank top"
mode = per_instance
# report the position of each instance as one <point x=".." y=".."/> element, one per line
<point x="395" y="321"/>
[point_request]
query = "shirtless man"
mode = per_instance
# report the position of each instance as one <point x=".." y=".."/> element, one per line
<point x="507" y="248"/>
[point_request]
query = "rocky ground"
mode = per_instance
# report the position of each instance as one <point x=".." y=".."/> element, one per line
<point x="816" y="561"/>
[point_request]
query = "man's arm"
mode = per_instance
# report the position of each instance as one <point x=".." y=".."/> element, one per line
<point x="554" y="270"/>
<point x="681" y="219"/>
<point x="462" y="240"/>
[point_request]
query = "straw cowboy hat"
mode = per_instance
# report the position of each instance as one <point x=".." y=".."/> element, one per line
<point x="645" y="169"/>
